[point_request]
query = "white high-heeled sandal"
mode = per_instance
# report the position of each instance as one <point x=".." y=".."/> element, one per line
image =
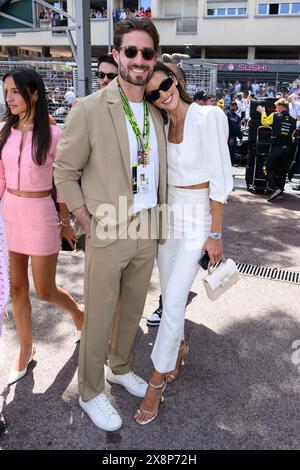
<point x="161" y="400"/>
<point x="180" y="363"/>
<point x="16" y="375"/>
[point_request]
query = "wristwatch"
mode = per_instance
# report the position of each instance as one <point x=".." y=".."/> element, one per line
<point x="216" y="235"/>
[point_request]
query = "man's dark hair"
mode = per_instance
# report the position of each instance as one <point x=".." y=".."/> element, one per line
<point x="135" y="24"/>
<point x="106" y="58"/>
<point x="200" y="95"/>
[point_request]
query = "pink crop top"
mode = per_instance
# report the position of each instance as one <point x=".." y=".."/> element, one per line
<point x="18" y="170"/>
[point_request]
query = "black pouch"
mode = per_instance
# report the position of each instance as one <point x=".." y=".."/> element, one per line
<point x="204" y="261"/>
<point x="65" y="245"/>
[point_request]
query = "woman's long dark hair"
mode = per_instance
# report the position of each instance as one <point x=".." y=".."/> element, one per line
<point x="28" y="81"/>
<point x="161" y="67"/>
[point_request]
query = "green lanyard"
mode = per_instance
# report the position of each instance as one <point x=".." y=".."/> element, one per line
<point x="142" y="139"/>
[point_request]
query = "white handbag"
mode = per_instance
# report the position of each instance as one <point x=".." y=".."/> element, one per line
<point x="220" y="279"/>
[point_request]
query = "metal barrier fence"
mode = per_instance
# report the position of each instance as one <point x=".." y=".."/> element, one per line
<point x="279" y="81"/>
<point x="200" y="76"/>
<point x="58" y="78"/>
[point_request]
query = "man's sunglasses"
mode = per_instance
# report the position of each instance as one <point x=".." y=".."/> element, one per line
<point x="164" y="86"/>
<point x="132" y="51"/>
<point x="109" y="75"/>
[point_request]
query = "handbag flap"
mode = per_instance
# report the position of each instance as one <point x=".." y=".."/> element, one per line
<point x="222" y="274"/>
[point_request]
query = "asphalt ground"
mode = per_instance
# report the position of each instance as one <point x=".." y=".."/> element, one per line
<point x="240" y="386"/>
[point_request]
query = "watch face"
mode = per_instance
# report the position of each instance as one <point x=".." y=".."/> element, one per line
<point x="216" y="236"/>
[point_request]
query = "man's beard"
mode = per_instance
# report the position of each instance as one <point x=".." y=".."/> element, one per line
<point x="125" y="73"/>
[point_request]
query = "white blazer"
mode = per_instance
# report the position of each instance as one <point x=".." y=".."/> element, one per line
<point x="203" y="154"/>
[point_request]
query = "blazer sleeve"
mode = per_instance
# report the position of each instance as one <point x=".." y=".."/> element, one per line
<point x="216" y="152"/>
<point x="73" y="152"/>
<point x="56" y="135"/>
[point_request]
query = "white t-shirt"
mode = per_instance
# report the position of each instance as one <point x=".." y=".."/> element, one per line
<point x="144" y="199"/>
<point x="294" y="109"/>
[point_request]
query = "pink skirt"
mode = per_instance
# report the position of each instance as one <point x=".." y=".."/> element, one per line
<point x="32" y="225"/>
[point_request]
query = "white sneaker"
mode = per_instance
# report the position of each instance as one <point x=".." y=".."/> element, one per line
<point x="102" y="413"/>
<point x="155" y="317"/>
<point x="274" y="195"/>
<point x="132" y="382"/>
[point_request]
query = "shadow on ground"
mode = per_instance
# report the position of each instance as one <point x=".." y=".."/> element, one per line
<point x="238" y="390"/>
<point x="262" y="233"/>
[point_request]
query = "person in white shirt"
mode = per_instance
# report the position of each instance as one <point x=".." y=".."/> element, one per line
<point x="199" y="182"/>
<point x="294" y="107"/>
<point x="70" y="96"/>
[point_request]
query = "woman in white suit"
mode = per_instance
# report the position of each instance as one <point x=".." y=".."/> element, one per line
<point x="199" y="182"/>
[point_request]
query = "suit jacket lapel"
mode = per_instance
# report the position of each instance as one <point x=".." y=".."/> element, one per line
<point x="118" y="116"/>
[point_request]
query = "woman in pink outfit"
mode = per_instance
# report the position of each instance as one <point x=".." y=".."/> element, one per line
<point x="27" y="150"/>
<point x="4" y="283"/>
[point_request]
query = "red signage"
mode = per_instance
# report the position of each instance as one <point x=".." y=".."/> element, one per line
<point x="243" y="67"/>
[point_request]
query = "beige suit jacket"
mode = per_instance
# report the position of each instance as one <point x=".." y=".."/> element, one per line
<point x="92" y="166"/>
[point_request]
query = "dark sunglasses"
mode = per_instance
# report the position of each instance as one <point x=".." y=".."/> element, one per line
<point x="164" y="86"/>
<point x="132" y="51"/>
<point x="109" y="75"/>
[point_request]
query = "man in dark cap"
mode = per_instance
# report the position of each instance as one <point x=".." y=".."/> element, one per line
<point x="201" y="98"/>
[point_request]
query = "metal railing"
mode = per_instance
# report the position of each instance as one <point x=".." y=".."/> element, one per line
<point x="200" y="76"/>
<point x="58" y="77"/>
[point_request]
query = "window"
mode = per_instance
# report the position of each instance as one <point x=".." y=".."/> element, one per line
<point x="226" y="11"/>
<point x="296" y="8"/>
<point x="181" y="8"/>
<point x="284" y="8"/>
<point x="173" y="8"/>
<point x="263" y="9"/>
<point x="273" y="9"/>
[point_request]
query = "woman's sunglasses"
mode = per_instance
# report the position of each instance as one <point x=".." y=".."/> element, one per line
<point x="132" y="51"/>
<point x="109" y="75"/>
<point x="164" y="86"/>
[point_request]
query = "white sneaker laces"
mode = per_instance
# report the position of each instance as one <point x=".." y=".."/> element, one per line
<point x="135" y="379"/>
<point x="102" y="403"/>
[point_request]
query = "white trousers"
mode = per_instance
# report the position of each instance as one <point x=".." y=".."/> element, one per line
<point x="189" y="224"/>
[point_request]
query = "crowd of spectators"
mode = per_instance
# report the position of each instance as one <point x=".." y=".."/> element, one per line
<point x="46" y="14"/>
<point x="243" y="92"/>
<point x="120" y="14"/>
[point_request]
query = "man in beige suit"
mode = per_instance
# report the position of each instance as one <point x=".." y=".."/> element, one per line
<point x="114" y="142"/>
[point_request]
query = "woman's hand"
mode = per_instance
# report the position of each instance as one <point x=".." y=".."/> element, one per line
<point x="69" y="234"/>
<point x="214" y="249"/>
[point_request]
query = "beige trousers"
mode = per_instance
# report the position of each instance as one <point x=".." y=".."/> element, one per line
<point x="118" y="272"/>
